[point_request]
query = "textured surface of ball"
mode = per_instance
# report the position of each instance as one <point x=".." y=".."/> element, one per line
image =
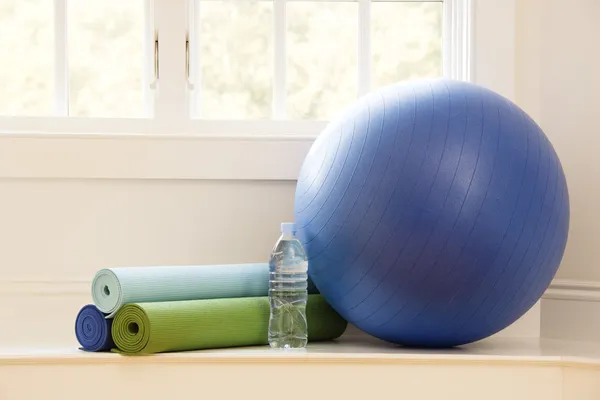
<point x="434" y="213"/>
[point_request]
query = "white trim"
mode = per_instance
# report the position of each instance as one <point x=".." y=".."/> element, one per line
<point x="571" y="310"/>
<point x="45" y="287"/>
<point x="88" y="156"/>
<point x="194" y="78"/>
<point x="279" y="59"/>
<point x="61" y="59"/>
<point x="118" y="126"/>
<point x="458" y="39"/>
<point x="564" y="289"/>
<point x="148" y="77"/>
<point x="559" y="289"/>
<point x="171" y="108"/>
<point x="364" y="47"/>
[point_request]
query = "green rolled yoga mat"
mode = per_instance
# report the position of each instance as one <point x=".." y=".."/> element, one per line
<point x="146" y="328"/>
<point x="114" y="287"/>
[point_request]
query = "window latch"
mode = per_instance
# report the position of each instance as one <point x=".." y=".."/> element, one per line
<point x="156" y="72"/>
<point x="187" y="62"/>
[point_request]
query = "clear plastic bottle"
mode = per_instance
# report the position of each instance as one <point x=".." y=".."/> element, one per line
<point x="288" y="282"/>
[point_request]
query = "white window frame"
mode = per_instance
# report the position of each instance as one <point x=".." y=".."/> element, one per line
<point x="478" y="47"/>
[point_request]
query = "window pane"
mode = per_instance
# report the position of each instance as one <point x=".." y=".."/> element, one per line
<point x="322" y="53"/>
<point x="26" y="57"/>
<point x="235" y="51"/>
<point x="406" y="41"/>
<point x="105" y="57"/>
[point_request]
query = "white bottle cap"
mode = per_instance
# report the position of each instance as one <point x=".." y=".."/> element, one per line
<point x="288" y="227"/>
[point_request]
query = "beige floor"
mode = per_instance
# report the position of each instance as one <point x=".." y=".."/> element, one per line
<point x="355" y="367"/>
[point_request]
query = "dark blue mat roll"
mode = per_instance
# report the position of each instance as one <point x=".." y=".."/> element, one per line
<point x="93" y="330"/>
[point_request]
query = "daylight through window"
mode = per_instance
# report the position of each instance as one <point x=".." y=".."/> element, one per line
<point x="294" y="60"/>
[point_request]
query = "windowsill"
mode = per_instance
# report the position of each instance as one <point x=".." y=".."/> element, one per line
<point x="247" y="156"/>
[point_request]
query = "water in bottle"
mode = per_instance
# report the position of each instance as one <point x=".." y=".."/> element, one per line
<point x="288" y="291"/>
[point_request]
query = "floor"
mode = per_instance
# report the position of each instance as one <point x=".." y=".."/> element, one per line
<point x="348" y="348"/>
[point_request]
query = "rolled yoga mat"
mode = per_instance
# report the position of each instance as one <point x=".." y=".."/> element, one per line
<point x="93" y="330"/>
<point x="147" y="328"/>
<point x="114" y="287"/>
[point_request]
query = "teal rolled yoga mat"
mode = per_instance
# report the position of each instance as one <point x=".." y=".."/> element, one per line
<point x="114" y="287"/>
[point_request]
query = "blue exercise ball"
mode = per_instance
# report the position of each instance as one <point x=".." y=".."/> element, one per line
<point x="434" y="213"/>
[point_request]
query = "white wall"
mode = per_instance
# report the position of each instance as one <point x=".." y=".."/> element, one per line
<point x="56" y="234"/>
<point x="558" y="83"/>
<point x="74" y="227"/>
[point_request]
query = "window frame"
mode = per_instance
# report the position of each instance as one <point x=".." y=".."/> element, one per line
<point x="479" y="41"/>
<point x="169" y="105"/>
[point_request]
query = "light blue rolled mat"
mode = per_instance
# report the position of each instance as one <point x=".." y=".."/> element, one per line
<point x="114" y="287"/>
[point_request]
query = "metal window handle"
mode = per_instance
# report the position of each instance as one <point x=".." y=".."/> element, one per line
<point x="156" y="71"/>
<point x="187" y="62"/>
<point x="154" y="83"/>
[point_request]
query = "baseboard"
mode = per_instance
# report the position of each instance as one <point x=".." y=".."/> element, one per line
<point x="560" y="289"/>
<point x="45" y="287"/>
<point x="571" y="310"/>
<point x="566" y="289"/>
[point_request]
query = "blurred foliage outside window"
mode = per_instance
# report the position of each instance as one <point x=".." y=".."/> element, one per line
<point x="235" y="56"/>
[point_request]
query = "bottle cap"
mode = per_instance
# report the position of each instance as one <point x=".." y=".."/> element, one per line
<point x="288" y="227"/>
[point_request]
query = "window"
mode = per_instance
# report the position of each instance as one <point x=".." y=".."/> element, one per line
<point x="315" y="67"/>
<point x="207" y="66"/>
<point x="26" y="51"/>
<point x="104" y="53"/>
<point x="77" y="58"/>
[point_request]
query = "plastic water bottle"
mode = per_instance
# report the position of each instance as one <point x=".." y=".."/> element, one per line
<point x="288" y="293"/>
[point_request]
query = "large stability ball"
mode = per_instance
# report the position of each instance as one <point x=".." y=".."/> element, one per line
<point x="434" y="213"/>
